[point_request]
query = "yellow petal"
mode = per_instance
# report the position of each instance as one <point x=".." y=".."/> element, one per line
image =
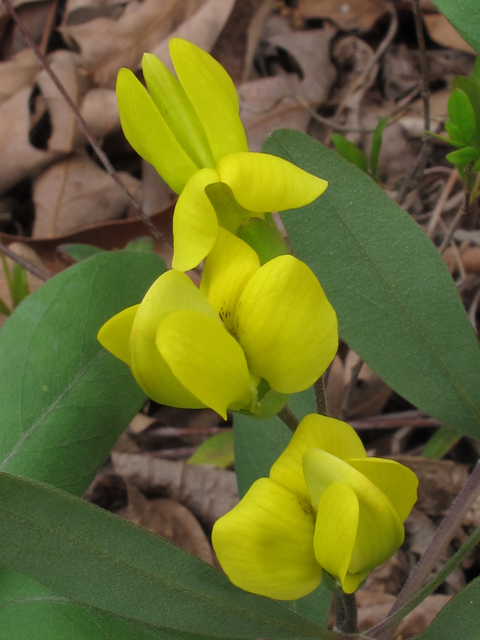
<point x="149" y="134"/>
<point x="396" y="481"/>
<point x="195" y="225"/>
<point x="213" y="96"/>
<point x="261" y="182"/>
<point x="205" y="358"/>
<point x="172" y="292"/>
<point x="315" y="432"/>
<point x="228" y="267"/>
<point x="172" y="102"/>
<point x="286" y="325"/>
<point x="115" y="333"/>
<point x="265" y="544"/>
<point x="336" y="529"/>
<point x="380" y="530"/>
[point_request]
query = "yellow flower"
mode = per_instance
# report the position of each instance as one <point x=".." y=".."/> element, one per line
<point x="324" y="506"/>
<point x="210" y="347"/>
<point x="190" y="131"/>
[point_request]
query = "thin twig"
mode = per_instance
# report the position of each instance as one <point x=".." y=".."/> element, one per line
<point x="84" y="126"/>
<point x="26" y="264"/>
<point x="355" y="371"/>
<point x="320" y="397"/>
<point x="437" y="212"/>
<point x="48" y="27"/>
<point x="439" y="543"/>
<point x="288" y="418"/>
<point x="423" y="63"/>
<point x="456" y="221"/>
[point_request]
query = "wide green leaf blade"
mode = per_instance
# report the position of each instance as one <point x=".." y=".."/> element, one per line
<point x="258" y="443"/>
<point x="64" y="399"/>
<point x="397" y="305"/>
<point x="460" y="618"/>
<point x="465" y="17"/>
<point x="30" y="611"/>
<point x="115" y="566"/>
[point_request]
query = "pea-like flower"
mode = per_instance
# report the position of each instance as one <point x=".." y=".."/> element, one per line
<point x="190" y="130"/>
<point x="211" y="347"/>
<point x="325" y="506"/>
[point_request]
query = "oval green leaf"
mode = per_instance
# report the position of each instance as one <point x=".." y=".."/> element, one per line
<point x="397" y="305"/>
<point x="65" y="399"/>
<point x="117" y="567"/>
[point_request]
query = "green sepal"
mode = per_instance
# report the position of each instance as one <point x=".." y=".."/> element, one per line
<point x="264" y="237"/>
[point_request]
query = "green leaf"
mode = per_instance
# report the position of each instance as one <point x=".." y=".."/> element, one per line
<point x="20" y="288"/>
<point x="465" y="17"/>
<point x="79" y="252"/>
<point x="443" y="139"/>
<point x="350" y="151"/>
<point x="397" y="305"/>
<point x="140" y="245"/>
<point x="65" y="399"/>
<point x="29" y="611"/>
<point x="376" y="145"/>
<point x="462" y="157"/>
<point x="455" y="135"/>
<point x="462" y="115"/>
<point x="472" y="90"/>
<point x="460" y="618"/>
<point x="217" y="450"/>
<point x="122" y="569"/>
<point x="440" y="443"/>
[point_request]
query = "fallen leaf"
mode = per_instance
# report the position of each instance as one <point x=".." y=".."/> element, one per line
<point x="19" y="158"/>
<point x="440" y="481"/>
<point x="168" y="519"/>
<point x="80" y="11"/>
<point x="106" y="44"/>
<point x="75" y="193"/>
<point x="207" y="491"/>
<point x="347" y="14"/>
<point x="17" y="72"/>
<point x="202" y="28"/>
<point x="443" y="33"/>
<point x="389" y="577"/>
<point x="115" y="234"/>
<point x="99" y="109"/>
<point x="61" y="116"/>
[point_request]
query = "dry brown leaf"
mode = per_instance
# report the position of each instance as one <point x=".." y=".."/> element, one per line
<point x="141" y="422"/>
<point x="17" y="72"/>
<point x="389" y="577"/>
<point x="279" y="101"/>
<point x="114" y="234"/>
<point x="202" y="28"/>
<point x="442" y="32"/>
<point x="439" y="482"/>
<point x="75" y="193"/>
<point x="207" y="491"/>
<point x="347" y="14"/>
<point x="106" y="45"/>
<point x="335" y="388"/>
<point x="61" y="116"/>
<point x="19" y="159"/>
<point x="80" y="11"/>
<point x="168" y="519"/>
<point x="100" y="111"/>
<point x="268" y="104"/>
<point x="311" y="50"/>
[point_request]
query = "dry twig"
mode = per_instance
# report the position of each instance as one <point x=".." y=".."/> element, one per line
<point x="25" y="263"/>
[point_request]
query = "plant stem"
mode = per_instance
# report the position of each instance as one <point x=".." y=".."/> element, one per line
<point x="355" y="372"/>
<point x="320" y="397"/>
<point x="287" y="416"/>
<point x="83" y="125"/>
<point x="346" y="612"/>
<point x="464" y="209"/>
<point x="385" y="628"/>
<point x="438" y="545"/>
